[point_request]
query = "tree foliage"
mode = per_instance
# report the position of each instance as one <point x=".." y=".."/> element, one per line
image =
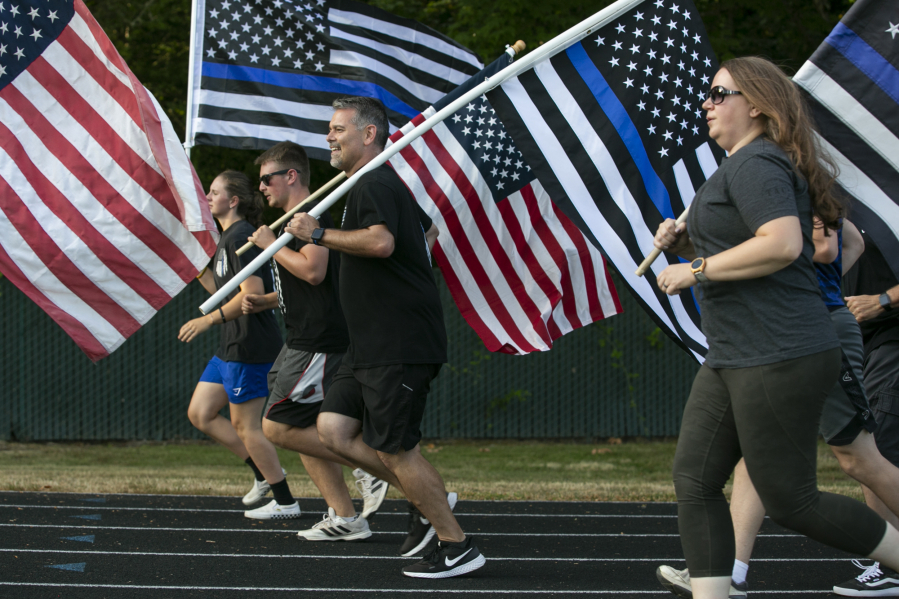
<point x="153" y="36"/>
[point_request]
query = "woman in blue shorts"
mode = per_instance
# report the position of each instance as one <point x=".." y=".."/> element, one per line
<point x="248" y="347"/>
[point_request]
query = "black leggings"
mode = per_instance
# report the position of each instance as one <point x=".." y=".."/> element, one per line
<point x="769" y="415"/>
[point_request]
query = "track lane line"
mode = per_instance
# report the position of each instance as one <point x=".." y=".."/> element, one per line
<point x="403" y="514"/>
<point x="398" y="557"/>
<point x="377" y="532"/>
<point x="171" y="495"/>
<point x="352" y="590"/>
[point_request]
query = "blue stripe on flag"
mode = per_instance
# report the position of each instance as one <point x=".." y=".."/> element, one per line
<point x="309" y="82"/>
<point x="619" y="118"/>
<point x="867" y="59"/>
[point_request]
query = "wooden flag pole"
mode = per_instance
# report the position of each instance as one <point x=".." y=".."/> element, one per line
<point x="289" y="214"/>
<point x="518" y="47"/>
<point x="644" y="266"/>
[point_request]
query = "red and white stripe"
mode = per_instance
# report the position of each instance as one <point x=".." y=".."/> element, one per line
<point x="102" y="217"/>
<point x="519" y="270"/>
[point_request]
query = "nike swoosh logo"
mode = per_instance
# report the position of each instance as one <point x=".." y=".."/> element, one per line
<point x="452" y="562"/>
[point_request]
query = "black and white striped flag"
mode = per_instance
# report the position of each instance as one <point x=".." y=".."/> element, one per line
<point x="265" y="71"/>
<point x="613" y="128"/>
<point x="852" y="82"/>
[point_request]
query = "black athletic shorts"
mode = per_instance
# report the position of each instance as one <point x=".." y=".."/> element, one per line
<point x="389" y="400"/>
<point x="882" y="383"/>
<point x="298" y="382"/>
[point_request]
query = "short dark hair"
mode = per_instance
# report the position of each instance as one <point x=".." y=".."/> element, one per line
<point x="288" y="155"/>
<point x="369" y="111"/>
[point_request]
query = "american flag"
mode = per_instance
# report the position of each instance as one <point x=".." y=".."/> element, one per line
<point x="614" y="129"/>
<point x="266" y="71"/>
<point x="521" y="273"/>
<point x="852" y="82"/>
<point x="102" y="218"/>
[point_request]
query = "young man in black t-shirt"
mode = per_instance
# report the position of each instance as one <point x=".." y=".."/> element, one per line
<point x="306" y="292"/>
<point x="373" y="411"/>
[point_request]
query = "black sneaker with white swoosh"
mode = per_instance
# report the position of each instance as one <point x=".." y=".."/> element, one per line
<point x="420" y="529"/>
<point x="447" y="560"/>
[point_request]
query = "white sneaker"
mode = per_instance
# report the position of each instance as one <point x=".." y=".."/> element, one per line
<point x="373" y="491"/>
<point x="274" y="511"/>
<point x="260" y="489"/>
<point x="678" y="582"/>
<point x="334" y="528"/>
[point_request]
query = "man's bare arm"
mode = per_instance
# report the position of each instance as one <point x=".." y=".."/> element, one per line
<point x="375" y="241"/>
<point x="853" y="245"/>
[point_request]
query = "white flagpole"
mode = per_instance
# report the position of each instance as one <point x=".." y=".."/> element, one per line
<point x="196" y="39"/>
<point x="547" y="50"/>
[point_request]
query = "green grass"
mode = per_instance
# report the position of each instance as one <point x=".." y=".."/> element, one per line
<point x="630" y="471"/>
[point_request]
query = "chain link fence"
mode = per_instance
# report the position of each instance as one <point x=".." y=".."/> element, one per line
<point x="618" y="377"/>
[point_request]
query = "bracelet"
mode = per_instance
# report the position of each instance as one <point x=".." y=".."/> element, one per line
<point x="202" y="272"/>
<point x="222" y="312"/>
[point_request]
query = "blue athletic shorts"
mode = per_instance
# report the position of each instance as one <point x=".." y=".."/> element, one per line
<point x="242" y="381"/>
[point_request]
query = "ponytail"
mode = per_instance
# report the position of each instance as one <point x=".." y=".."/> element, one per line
<point x="249" y="201"/>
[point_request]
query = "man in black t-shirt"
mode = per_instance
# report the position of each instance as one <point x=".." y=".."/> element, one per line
<point x="373" y="411"/>
<point x="873" y="292"/>
<point x="306" y="292"/>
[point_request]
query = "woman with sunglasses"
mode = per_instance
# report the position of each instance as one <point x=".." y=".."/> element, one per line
<point x="237" y="374"/>
<point x="773" y="353"/>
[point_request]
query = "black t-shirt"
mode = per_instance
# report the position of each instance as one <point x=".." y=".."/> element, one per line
<point x="312" y="313"/>
<point x="254" y="338"/>
<point x="391" y="305"/>
<point x="871" y="275"/>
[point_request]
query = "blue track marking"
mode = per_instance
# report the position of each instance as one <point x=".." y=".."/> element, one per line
<point x="94" y="500"/>
<point x="79" y="567"/>
<point x="89" y="517"/>
<point x="82" y="539"/>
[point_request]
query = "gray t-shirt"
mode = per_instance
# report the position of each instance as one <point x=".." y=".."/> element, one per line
<point x="767" y="319"/>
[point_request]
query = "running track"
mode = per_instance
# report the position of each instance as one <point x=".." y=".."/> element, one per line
<point x="163" y="546"/>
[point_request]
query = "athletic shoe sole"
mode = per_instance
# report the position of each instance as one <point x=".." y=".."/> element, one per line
<point x="262" y="514"/>
<point x="451" y="498"/>
<point x="457" y="571"/>
<point x="273" y="516"/>
<point x="320" y="536"/>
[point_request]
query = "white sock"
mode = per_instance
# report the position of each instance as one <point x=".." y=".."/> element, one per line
<point x="350" y="519"/>
<point x="740" y="570"/>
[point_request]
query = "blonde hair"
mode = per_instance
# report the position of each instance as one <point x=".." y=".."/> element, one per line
<point x="789" y="124"/>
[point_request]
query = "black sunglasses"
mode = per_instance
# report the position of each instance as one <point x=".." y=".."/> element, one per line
<point x="717" y="94"/>
<point x="267" y="177"/>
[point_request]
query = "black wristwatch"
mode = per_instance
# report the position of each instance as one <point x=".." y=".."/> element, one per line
<point x="317" y="235"/>
<point x="885" y="302"/>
